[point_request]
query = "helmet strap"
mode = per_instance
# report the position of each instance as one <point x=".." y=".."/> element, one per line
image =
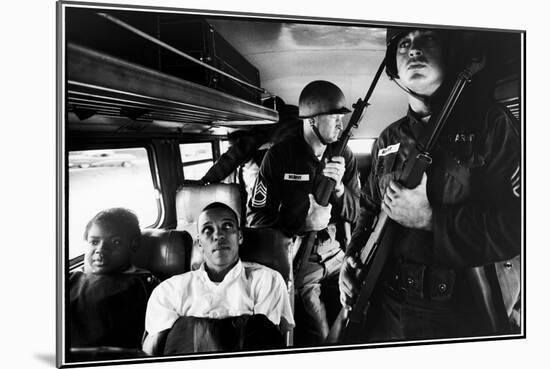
<point x="317" y="133"/>
<point x="425" y="99"/>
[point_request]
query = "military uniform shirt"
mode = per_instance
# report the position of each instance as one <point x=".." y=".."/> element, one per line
<point x="473" y="188"/>
<point x="289" y="172"/>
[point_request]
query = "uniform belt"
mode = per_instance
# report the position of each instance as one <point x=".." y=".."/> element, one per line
<point x="406" y="280"/>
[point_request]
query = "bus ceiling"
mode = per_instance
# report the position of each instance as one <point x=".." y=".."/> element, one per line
<point x="144" y="79"/>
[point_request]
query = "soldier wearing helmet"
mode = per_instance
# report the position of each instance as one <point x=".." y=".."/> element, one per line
<point x="282" y="197"/>
<point x="465" y="213"/>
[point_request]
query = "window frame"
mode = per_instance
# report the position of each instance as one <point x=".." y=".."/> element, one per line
<point x="215" y="150"/>
<point x="77" y="261"/>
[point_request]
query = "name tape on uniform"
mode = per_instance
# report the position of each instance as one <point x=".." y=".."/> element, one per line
<point x="389" y="150"/>
<point x="296" y="177"/>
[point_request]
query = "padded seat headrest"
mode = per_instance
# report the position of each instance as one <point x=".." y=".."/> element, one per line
<point x="164" y="253"/>
<point x="266" y="246"/>
<point x="269" y="247"/>
<point x="190" y="200"/>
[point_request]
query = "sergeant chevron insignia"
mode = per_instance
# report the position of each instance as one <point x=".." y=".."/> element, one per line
<point x="260" y="195"/>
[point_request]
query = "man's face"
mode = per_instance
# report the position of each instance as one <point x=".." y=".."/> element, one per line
<point x="219" y="238"/>
<point x="419" y="59"/>
<point x="109" y="249"/>
<point x="330" y="126"/>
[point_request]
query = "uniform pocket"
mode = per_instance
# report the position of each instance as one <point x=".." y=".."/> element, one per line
<point x="459" y="176"/>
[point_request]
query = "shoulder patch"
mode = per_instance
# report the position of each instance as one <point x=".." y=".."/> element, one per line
<point x="515" y="180"/>
<point x="259" y="198"/>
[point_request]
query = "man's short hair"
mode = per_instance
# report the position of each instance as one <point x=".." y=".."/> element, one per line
<point x="120" y="218"/>
<point x="221" y="205"/>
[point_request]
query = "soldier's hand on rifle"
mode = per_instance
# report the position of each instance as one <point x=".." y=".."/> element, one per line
<point x="335" y="169"/>
<point x="317" y="216"/>
<point x="347" y="282"/>
<point x="408" y="207"/>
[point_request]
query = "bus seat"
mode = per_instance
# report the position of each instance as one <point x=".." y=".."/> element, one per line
<point x="191" y="199"/>
<point x="164" y="252"/>
<point x="269" y="247"/>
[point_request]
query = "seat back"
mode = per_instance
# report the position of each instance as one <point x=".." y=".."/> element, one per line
<point x="266" y="246"/>
<point x="190" y="200"/>
<point x="164" y="253"/>
<point x="269" y="247"/>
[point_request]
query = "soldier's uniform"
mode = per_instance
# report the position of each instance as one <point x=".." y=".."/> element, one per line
<point x="289" y="172"/>
<point x="473" y="189"/>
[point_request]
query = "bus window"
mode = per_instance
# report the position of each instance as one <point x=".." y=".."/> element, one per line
<point x="102" y="179"/>
<point x="196" y="159"/>
<point x="361" y="146"/>
<point x="224" y="146"/>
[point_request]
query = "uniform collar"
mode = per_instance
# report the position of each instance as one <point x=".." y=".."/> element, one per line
<point x="416" y="124"/>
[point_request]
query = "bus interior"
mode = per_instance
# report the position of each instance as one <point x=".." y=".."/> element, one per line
<point x="151" y="99"/>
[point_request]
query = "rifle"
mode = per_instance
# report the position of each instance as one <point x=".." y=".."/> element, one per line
<point x="350" y="323"/>
<point x="326" y="185"/>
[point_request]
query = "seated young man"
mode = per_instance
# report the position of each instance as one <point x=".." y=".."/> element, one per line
<point x="225" y="305"/>
<point x="107" y="300"/>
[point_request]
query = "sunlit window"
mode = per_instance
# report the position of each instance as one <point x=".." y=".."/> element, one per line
<point x="361" y="145"/>
<point x="102" y="179"/>
<point x="196" y="159"/>
<point x="224" y="146"/>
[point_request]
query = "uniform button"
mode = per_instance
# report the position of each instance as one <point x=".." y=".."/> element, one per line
<point x="442" y="287"/>
<point x="508" y="265"/>
<point x="411" y="282"/>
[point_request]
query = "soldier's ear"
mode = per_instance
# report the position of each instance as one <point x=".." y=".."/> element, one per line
<point x="240" y="237"/>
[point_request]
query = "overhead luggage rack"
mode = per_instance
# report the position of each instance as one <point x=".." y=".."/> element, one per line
<point x="105" y="89"/>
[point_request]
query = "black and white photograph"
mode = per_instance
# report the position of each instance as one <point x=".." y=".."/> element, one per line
<point x="255" y="186"/>
<point x="240" y="184"/>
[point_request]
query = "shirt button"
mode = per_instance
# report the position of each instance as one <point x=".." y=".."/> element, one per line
<point x="442" y="287"/>
<point x="410" y="282"/>
<point x="508" y="265"/>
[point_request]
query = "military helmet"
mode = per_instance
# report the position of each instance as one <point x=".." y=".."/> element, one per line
<point x="393" y="34"/>
<point x="321" y="97"/>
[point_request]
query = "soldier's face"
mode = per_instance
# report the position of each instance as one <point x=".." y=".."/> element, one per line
<point x="420" y="63"/>
<point x="330" y="126"/>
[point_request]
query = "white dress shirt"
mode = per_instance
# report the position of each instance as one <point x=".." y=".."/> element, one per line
<point x="247" y="289"/>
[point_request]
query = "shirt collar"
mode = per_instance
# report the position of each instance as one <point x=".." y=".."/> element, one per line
<point x="231" y="275"/>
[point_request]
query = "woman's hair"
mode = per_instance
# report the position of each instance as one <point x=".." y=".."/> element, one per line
<point x="119" y="218"/>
